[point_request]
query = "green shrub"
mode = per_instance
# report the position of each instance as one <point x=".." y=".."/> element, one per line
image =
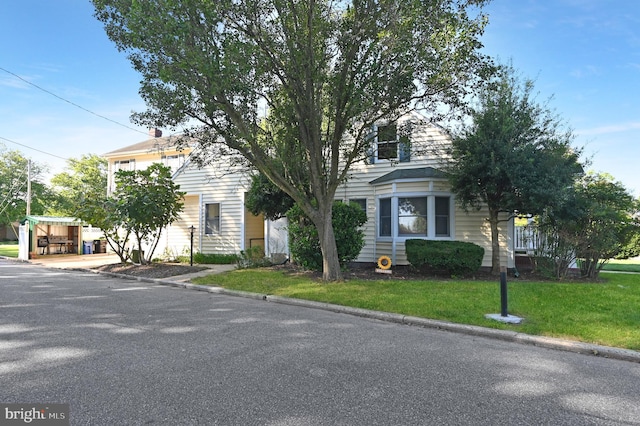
<point x="303" y="235"/>
<point x="632" y="248"/>
<point x="453" y="257"/>
<point x="253" y="257"/>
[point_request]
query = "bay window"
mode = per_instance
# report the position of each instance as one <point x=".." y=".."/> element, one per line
<point x="427" y="216"/>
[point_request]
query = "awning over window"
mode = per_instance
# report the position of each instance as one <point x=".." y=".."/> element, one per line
<point x="407" y="174"/>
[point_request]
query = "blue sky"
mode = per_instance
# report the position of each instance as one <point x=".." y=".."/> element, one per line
<point x="584" y="53"/>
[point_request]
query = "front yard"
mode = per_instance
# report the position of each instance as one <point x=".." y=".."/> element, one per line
<point x="9" y="248"/>
<point x="605" y="313"/>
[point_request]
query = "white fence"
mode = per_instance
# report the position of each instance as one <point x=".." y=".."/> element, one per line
<point x="526" y="239"/>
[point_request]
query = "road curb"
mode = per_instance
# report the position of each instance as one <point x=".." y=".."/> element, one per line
<point x="471" y="330"/>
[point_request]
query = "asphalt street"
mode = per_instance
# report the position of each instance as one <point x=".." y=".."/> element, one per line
<point x="124" y="352"/>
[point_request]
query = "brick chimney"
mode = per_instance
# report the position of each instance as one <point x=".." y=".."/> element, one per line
<point x="155" y="133"/>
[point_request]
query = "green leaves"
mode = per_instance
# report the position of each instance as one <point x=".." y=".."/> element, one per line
<point x="145" y="202"/>
<point x="513" y="156"/>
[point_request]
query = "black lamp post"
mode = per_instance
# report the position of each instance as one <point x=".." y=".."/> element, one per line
<point x="191" y="229"/>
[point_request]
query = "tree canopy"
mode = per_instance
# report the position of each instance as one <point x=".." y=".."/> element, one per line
<point x="85" y="180"/>
<point x="597" y="221"/>
<point x="514" y="156"/>
<point x="13" y="186"/>
<point x="265" y="198"/>
<point x="147" y="201"/>
<point x="294" y="87"/>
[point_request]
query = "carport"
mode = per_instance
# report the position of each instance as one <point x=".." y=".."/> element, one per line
<point x="47" y="235"/>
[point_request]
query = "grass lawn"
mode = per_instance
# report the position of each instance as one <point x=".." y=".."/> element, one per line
<point x="9" y="249"/>
<point x="626" y="265"/>
<point x="605" y="313"/>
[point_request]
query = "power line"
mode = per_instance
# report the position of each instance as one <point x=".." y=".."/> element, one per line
<point x="69" y="102"/>
<point x="26" y="146"/>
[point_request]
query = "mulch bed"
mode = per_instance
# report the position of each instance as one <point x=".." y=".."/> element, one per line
<point x="152" y="270"/>
<point x="355" y="271"/>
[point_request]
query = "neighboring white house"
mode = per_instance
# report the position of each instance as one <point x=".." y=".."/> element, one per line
<point x="400" y="186"/>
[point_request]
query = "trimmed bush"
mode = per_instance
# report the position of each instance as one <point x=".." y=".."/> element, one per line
<point x="453" y="257"/>
<point x="303" y="235"/>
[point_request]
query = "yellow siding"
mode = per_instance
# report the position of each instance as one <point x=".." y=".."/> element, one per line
<point x="253" y="230"/>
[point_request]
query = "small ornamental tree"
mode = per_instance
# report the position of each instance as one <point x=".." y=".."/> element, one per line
<point x="147" y="201"/>
<point x="596" y="223"/>
<point x="604" y="222"/>
<point x="513" y="156"/>
<point x="303" y="235"/>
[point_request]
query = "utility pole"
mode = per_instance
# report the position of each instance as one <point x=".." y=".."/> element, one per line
<point x="28" y="187"/>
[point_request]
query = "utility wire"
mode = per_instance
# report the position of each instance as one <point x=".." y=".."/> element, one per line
<point x="43" y="152"/>
<point x="72" y="103"/>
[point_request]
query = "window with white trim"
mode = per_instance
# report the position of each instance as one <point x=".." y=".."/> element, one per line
<point x="412" y="217"/>
<point x="212" y="218"/>
<point x="389" y="145"/>
<point x="385" y="217"/>
<point x="409" y="217"/>
<point x="387" y="142"/>
<point x="443" y="216"/>
<point x="173" y="161"/>
<point x="128" y="165"/>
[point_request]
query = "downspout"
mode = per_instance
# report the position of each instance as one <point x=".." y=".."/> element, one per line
<point x="200" y="222"/>
<point x="394" y="223"/>
<point x="375" y="225"/>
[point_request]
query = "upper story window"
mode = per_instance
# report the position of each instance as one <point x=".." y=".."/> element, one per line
<point x="389" y="145"/>
<point x="387" y="142"/>
<point x="128" y="165"/>
<point x="173" y="161"/>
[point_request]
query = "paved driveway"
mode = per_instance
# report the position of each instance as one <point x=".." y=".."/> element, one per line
<point x="127" y="353"/>
<point x="70" y="261"/>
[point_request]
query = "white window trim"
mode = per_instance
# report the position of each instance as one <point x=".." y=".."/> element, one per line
<point x="431" y="215"/>
<point x="396" y="159"/>
<point x="204" y="219"/>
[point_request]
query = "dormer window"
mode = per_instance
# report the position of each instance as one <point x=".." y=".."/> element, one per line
<point x="387" y="142"/>
<point x="389" y="146"/>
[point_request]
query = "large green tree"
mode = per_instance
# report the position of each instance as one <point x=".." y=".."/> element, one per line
<point x="294" y="87"/>
<point x="13" y="187"/>
<point x="84" y="181"/>
<point x="513" y="156"/>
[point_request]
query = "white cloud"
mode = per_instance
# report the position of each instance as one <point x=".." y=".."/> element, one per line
<point x="613" y="128"/>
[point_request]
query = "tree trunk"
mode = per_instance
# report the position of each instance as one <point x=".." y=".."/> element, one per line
<point x="495" y="242"/>
<point x="330" y="261"/>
